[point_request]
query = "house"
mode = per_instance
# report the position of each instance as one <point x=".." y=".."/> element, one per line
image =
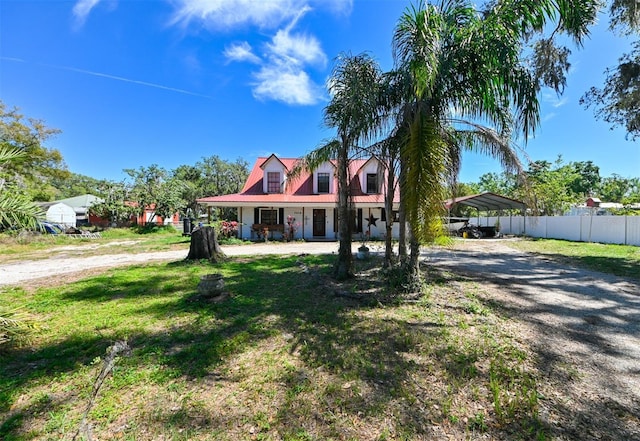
<point x="305" y="207"/>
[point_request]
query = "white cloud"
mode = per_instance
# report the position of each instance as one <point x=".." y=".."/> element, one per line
<point x="81" y="10"/>
<point x="224" y="14"/>
<point x="554" y="100"/>
<point x="281" y="83"/>
<point x="241" y="52"/>
<point x="339" y="6"/>
<point x="265" y="14"/>
<point x="283" y="76"/>
<point x="285" y="59"/>
<point x="298" y="49"/>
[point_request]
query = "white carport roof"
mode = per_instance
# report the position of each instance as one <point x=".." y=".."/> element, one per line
<point x="487" y="202"/>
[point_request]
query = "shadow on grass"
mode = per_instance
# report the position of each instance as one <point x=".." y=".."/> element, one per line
<point x="175" y="336"/>
<point x="586" y="319"/>
<point x="618" y="266"/>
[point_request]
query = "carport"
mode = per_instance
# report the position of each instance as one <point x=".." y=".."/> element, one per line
<point x="488" y="201"/>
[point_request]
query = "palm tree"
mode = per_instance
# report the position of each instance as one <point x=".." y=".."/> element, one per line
<point x="16" y="211"/>
<point x="468" y="87"/>
<point x="354" y="112"/>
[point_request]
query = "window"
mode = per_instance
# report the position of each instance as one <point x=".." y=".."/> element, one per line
<point x="372" y="183"/>
<point x="323" y="182"/>
<point x="273" y="182"/>
<point x="268" y="216"/>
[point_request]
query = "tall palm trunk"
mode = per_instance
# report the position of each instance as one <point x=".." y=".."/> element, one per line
<point x="388" y="206"/>
<point x="413" y="279"/>
<point x="344" y="265"/>
<point x="402" y="218"/>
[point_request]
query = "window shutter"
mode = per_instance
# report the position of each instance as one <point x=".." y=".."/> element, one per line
<point x="359" y="224"/>
<point x="383" y="215"/>
<point x="256" y="215"/>
<point x="281" y="216"/>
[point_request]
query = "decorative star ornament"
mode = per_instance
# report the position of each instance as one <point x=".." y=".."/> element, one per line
<point x="372" y="220"/>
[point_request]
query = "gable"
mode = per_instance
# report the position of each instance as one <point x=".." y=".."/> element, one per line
<point x="304" y="188"/>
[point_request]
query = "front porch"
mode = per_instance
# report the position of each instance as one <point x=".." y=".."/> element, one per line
<point x="268" y="231"/>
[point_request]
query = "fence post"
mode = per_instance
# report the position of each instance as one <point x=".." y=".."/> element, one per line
<point x="625" y="229"/>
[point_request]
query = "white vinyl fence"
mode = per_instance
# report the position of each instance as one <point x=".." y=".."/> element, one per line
<point x="604" y="229"/>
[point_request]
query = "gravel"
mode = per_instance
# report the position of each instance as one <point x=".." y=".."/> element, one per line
<point x="584" y="327"/>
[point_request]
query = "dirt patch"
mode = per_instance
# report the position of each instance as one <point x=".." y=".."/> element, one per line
<point x="584" y="327"/>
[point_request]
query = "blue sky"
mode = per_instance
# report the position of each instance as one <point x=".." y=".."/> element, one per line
<point x="134" y="83"/>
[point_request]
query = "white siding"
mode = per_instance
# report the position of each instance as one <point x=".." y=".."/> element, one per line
<point x="273" y="165"/>
<point x="370" y="167"/>
<point x="324" y="168"/>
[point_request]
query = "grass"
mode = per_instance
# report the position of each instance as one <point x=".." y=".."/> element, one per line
<point x="620" y="260"/>
<point x="117" y="240"/>
<point x="283" y="358"/>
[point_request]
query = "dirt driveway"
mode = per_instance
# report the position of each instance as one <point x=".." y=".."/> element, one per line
<point x="583" y="326"/>
<point x="16" y="273"/>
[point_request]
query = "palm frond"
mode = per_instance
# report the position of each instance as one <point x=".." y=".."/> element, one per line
<point x="17" y="211"/>
<point x="314" y="159"/>
<point x="9" y="153"/>
<point x="14" y="325"/>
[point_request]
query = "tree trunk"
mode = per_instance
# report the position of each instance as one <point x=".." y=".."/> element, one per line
<point x="204" y="245"/>
<point x="411" y="267"/>
<point x="388" y="206"/>
<point x="344" y="265"/>
<point x="402" y="219"/>
<point x="388" y="247"/>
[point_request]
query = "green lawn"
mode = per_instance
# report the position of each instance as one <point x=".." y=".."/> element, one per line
<point x="283" y="358"/>
<point x="116" y="240"/>
<point x="621" y="260"/>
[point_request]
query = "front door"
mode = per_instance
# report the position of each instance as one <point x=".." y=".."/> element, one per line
<point x="319" y="219"/>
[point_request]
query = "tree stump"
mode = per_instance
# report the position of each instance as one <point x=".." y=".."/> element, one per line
<point x="204" y="245"/>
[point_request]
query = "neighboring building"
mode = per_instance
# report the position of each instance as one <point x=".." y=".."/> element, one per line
<point x="149" y="216"/>
<point x="271" y="202"/>
<point x="594" y="206"/>
<point x="59" y="213"/>
<point x="80" y="205"/>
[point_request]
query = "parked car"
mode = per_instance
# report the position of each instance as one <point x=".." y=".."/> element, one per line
<point x="51" y="228"/>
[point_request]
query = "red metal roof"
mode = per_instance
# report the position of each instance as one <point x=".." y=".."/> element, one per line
<point x="296" y="191"/>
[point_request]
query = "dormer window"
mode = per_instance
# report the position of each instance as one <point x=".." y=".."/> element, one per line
<point x="372" y="183"/>
<point x="323" y="182"/>
<point x="273" y="182"/>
